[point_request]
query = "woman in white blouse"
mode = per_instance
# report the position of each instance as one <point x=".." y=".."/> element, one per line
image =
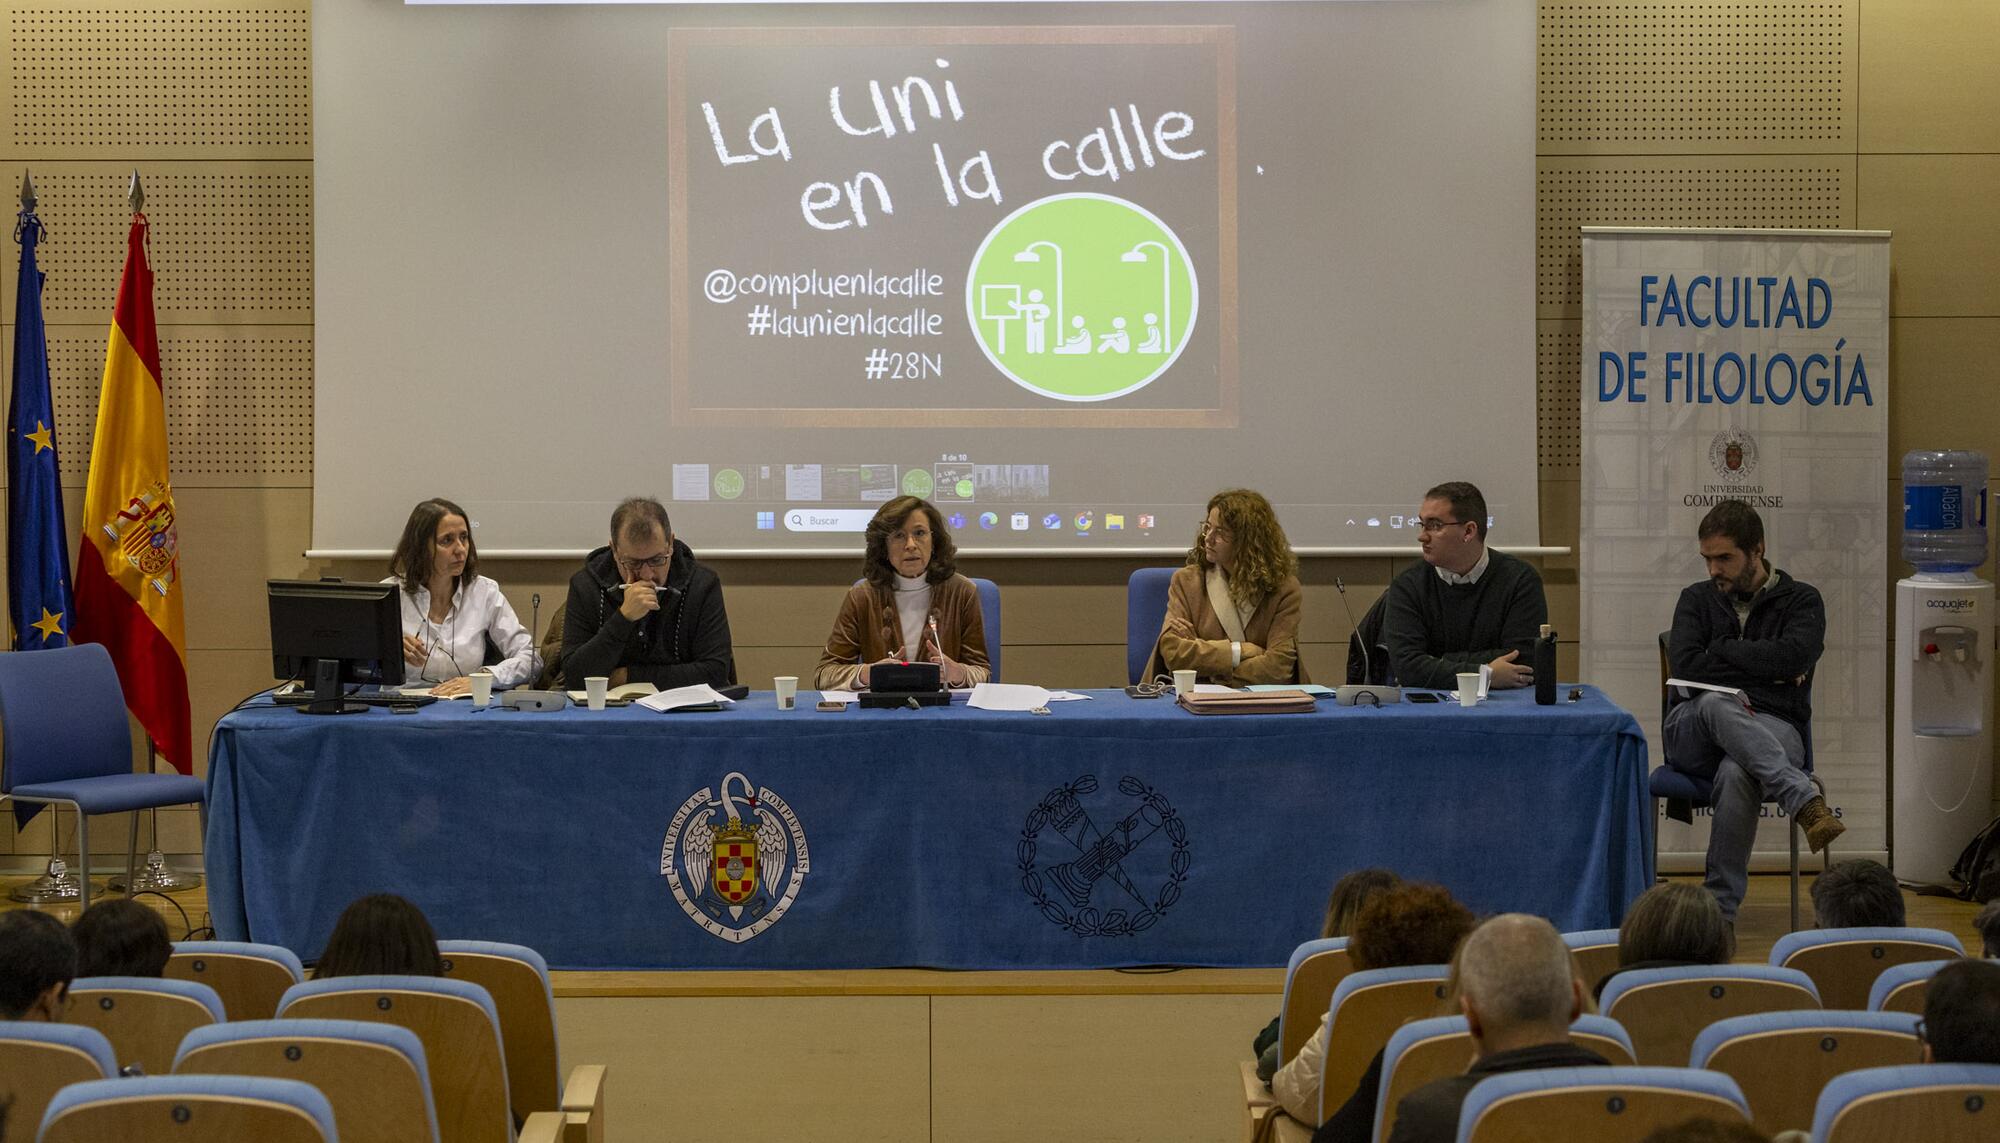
<point x="449" y="611"/>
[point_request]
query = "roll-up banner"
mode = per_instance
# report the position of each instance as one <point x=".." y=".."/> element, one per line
<point x="1749" y="365"/>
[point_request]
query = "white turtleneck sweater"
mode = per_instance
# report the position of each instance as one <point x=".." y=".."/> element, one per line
<point x="913" y="607"/>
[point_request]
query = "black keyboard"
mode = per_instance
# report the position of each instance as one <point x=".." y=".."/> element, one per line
<point x="365" y="698"/>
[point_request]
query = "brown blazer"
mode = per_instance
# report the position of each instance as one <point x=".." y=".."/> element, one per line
<point x="868" y="628"/>
<point x="1273" y="629"/>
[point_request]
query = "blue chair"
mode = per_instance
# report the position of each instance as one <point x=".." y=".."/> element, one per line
<point x="1685" y="793"/>
<point x="989" y="614"/>
<point x="249" y="977"/>
<point x="1145" y="613"/>
<point x="1366" y="1009"/>
<point x="38" y="1060"/>
<point x="1426" y="1050"/>
<point x="460" y="1030"/>
<point x="1664" y="1009"/>
<point x="374" y="1076"/>
<point x="1902" y="987"/>
<point x="517" y="978"/>
<point x="1595" y="952"/>
<point x="1781" y="1060"/>
<point x="144" y="1018"/>
<point x="1937" y="1103"/>
<point x="1603" y="1105"/>
<point x="1845" y="962"/>
<point x="190" y="1107"/>
<point x="67" y="743"/>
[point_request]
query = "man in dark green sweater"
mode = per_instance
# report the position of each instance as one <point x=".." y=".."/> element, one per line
<point x="1466" y="606"/>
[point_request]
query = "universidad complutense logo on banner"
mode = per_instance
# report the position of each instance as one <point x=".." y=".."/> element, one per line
<point x="1082" y="297"/>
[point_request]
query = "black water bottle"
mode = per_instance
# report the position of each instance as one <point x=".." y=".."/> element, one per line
<point x="1545" y="667"/>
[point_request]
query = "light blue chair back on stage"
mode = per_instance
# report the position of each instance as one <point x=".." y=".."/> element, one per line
<point x="1145" y="612"/>
<point x="989" y="614"/>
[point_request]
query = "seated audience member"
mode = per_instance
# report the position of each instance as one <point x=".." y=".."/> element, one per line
<point x="1988" y="924"/>
<point x="1702" y="1130"/>
<point x="37" y="962"/>
<point x="1669" y="926"/>
<point x="1233" y="611"/>
<point x="1412" y="923"/>
<point x="1350" y="893"/>
<point x="1857" y="894"/>
<point x="1465" y="606"/>
<point x="910" y="606"/>
<point x="1962" y="1014"/>
<point x="380" y="934"/>
<point x="1518" y="987"/>
<point x="450" y="612"/>
<point x="121" y="937"/>
<point x="643" y="611"/>
<point x="1754" y="628"/>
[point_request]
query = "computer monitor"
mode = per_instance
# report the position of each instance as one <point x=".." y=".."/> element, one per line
<point x="329" y="632"/>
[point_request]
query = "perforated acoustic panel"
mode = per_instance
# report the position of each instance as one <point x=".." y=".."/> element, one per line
<point x="239" y="402"/>
<point x="231" y="242"/>
<point x="1691" y="191"/>
<point x="218" y="79"/>
<point x="1559" y="396"/>
<point x="1716" y="77"/>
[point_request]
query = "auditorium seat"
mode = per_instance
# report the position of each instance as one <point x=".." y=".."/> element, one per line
<point x="1314" y="970"/>
<point x="1258" y="1102"/>
<point x="374" y="1076"/>
<point x="1426" y="1050"/>
<point x="144" y="1018"/>
<point x="1902" y="987"/>
<point x="248" y="977"/>
<point x="1936" y="1103"/>
<point x="37" y="1060"/>
<point x="1664" y="1009"/>
<point x="1145" y="614"/>
<point x="542" y="1127"/>
<point x="518" y="980"/>
<point x="1367" y="1009"/>
<point x="1781" y="1060"/>
<point x="1602" y="1105"/>
<point x="989" y="615"/>
<point x="460" y="1031"/>
<point x="1844" y="963"/>
<point x="1594" y="952"/>
<point x="191" y="1108"/>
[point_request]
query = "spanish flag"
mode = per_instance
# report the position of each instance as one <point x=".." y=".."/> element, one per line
<point x="128" y="591"/>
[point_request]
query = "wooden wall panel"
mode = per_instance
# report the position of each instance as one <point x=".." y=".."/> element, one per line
<point x="1933" y="76"/>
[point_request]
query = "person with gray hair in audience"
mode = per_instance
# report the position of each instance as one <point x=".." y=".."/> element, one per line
<point x="1520" y="994"/>
<point x="1857" y="894"/>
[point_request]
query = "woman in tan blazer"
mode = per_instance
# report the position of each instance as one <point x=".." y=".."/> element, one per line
<point x="911" y="606"/>
<point x="1233" y="611"/>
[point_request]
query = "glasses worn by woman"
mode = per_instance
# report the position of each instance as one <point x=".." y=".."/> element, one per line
<point x="1233" y="611"/>
<point x="910" y="606"/>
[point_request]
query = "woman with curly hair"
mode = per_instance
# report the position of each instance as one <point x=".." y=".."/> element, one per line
<point x="911" y="606"/>
<point x="1233" y="611"/>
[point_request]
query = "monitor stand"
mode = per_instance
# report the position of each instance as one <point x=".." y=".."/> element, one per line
<point x="328" y="698"/>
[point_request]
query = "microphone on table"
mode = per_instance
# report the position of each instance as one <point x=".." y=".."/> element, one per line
<point x="1340" y="586"/>
<point x="535" y="618"/>
<point x="1353" y="695"/>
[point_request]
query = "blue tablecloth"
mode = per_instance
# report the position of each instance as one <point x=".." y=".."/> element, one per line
<point x="1110" y="832"/>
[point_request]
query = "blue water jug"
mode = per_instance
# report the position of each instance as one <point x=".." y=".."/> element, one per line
<point x="1944" y="510"/>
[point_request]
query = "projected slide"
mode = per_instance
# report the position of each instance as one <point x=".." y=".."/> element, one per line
<point x="1065" y="269"/>
<point x="837" y="257"/>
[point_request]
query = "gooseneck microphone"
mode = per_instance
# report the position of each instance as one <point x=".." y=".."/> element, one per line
<point x="535" y="619"/>
<point x="1364" y="693"/>
<point x="1367" y="671"/>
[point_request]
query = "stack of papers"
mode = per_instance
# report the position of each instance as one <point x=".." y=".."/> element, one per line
<point x="1017" y="696"/>
<point x="684" y="698"/>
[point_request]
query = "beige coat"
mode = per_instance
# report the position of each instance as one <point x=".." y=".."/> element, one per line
<point x="1192" y="637"/>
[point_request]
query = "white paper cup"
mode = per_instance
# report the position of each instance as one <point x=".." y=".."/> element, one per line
<point x="1183" y="683"/>
<point x="594" y="687"/>
<point x="787" y="687"/>
<point x="1468" y="689"/>
<point x="482" y="688"/>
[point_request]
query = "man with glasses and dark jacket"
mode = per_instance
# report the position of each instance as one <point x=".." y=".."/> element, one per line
<point x="1753" y="628"/>
<point x="1466" y="606"/>
<point x="643" y="611"/>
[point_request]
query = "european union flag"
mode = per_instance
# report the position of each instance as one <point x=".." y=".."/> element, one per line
<point x="38" y="583"/>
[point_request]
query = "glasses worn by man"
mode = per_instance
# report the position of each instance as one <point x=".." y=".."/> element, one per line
<point x="642" y="610"/>
<point x="1466" y="606"/>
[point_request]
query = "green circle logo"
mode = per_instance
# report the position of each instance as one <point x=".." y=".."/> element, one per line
<point x="917" y="482"/>
<point x="1081" y="297"/>
<point x="729" y="484"/>
<point x="964" y="488"/>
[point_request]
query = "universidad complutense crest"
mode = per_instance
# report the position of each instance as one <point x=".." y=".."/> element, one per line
<point x="735" y="864"/>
